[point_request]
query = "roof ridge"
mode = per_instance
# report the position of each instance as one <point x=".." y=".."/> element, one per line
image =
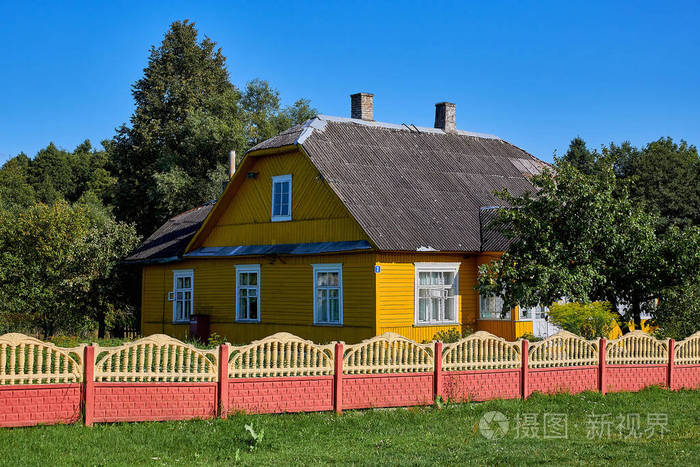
<point x="402" y="127"/>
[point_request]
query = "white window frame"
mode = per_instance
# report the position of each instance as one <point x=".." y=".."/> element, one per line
<point x="281" y="179"/>
<point x="521" y="315"/>
<point x="539" y="309"/>
<point x="247" y="268"/>
<point x="440" y="267"/>
<point x="328" y="267"/>
<point x="172" y="296"/>
<point x="496" y="315"/>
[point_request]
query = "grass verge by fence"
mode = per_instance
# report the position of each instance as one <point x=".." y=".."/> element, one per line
<point x="414" y="436"/>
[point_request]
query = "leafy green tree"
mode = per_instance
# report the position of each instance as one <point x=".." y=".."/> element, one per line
<point x="55" y="174"/>
<point x="188" y="117"/>
<point x="581" y="157"/>
<point x="186" y="121"/>
<point x="664" y="176"/>
<point x="15" y="191"/>
<point x="263" y="116"/>
<point x="677" y="313"/>
<point x="57" y="266"/>
<point x="582" y="237"/>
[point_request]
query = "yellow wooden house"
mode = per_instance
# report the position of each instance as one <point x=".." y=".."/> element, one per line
<point x="342" y="229"/>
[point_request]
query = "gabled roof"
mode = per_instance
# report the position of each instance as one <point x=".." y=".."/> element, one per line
<point x="412" y="188"/>
<point x="409" y="188"/>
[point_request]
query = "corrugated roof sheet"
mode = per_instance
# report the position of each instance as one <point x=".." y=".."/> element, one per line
<point x="170" y="240"/>
<point x="413" y="189"/>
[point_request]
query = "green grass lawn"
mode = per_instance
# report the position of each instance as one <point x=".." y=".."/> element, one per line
<point x="401" y="436"/>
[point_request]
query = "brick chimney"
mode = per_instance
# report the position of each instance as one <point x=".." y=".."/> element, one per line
<point x="445" y="117"/>
<point x="361" y="106"/>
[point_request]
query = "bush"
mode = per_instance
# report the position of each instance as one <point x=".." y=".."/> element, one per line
<point x="447" y="336"/>
<point x="588" y="320"/>
<point x="530" y="337"/>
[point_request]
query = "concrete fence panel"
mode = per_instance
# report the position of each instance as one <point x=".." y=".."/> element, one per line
<point x="39" y="382"/>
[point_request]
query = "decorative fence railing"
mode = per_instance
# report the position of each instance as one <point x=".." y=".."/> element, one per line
<point x="481" y="351"/>
<point x="637" y="347"/>
<point x="155" y="358"/>
<point x="687" y="351"/>
<point x="26" y="360"/>
<point x="159" y="377"/>
<point x="563" y="350"/>
<point x="388" y="353"/>
<point x="281" y="354"/>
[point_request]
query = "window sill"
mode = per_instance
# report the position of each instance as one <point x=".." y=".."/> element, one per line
<point x="280" y="219"/>
<point x="507" y="320"/>
<point x="181" y="322"/>
<point x="333" y="325"/>
<point x="248" y="321"/>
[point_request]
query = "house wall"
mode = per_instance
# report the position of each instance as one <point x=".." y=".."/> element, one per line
<point x="396" y="297"/>
<point x="286" y="298"/>
<point x="396" y="293"/>
<point x="242" y="216"/>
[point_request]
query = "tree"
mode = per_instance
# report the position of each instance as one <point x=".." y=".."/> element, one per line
<point x="581" y="157"/>
<point x="186" y="121"/>
<point x="54" y="174"/>
<point x="56" y="266"/>
<point x="15" y="190"/>
<point x="582" y="237"/>
<point x="665" y="176"/>
<point x="263" y="116"/>
<point x="677" y="313"/>
<point x="188" y="117"/>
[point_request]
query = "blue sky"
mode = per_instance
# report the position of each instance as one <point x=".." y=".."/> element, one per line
<point x="534" y="73"/>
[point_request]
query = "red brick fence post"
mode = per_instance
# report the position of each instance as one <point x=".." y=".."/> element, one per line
<point x="601" y="366"/>
<point x="437" y="374"/>
<point x="89" y="385"/>
<point x="671" y="351"/>
<point x="524" y="371"/>
<point x="222" y="393"/>
<point x="338" y="379"/>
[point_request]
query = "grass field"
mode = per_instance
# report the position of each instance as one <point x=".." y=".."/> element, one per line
<point x="402" y="436"/>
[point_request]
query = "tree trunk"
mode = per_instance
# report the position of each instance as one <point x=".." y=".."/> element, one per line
<point x="101" y="326"/>
<point x="621" y="321"/>
<point x="637" y="314"/>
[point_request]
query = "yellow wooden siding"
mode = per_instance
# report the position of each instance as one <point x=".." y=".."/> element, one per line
<point x="507" y="329"/>
<point x="520" y="328"/>
<point x="243" y="217"/>
<point x="286" y="298"/>
<point x="396" y="294"/>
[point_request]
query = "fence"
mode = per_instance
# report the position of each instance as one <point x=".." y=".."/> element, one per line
<point x="161" y="378"/>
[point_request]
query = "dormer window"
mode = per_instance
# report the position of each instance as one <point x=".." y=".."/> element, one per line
<point x="282" y="198"/>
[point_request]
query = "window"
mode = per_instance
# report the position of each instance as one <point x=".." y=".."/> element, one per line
<point x="491" y="307"/>
<point x="282" y="198"/>
<point x="181" y="296"/>
<point x="328" y="294"/>
<point x="536" y="312"/>
<point x="436" y="293"/>
<point x="248" y="293"/>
